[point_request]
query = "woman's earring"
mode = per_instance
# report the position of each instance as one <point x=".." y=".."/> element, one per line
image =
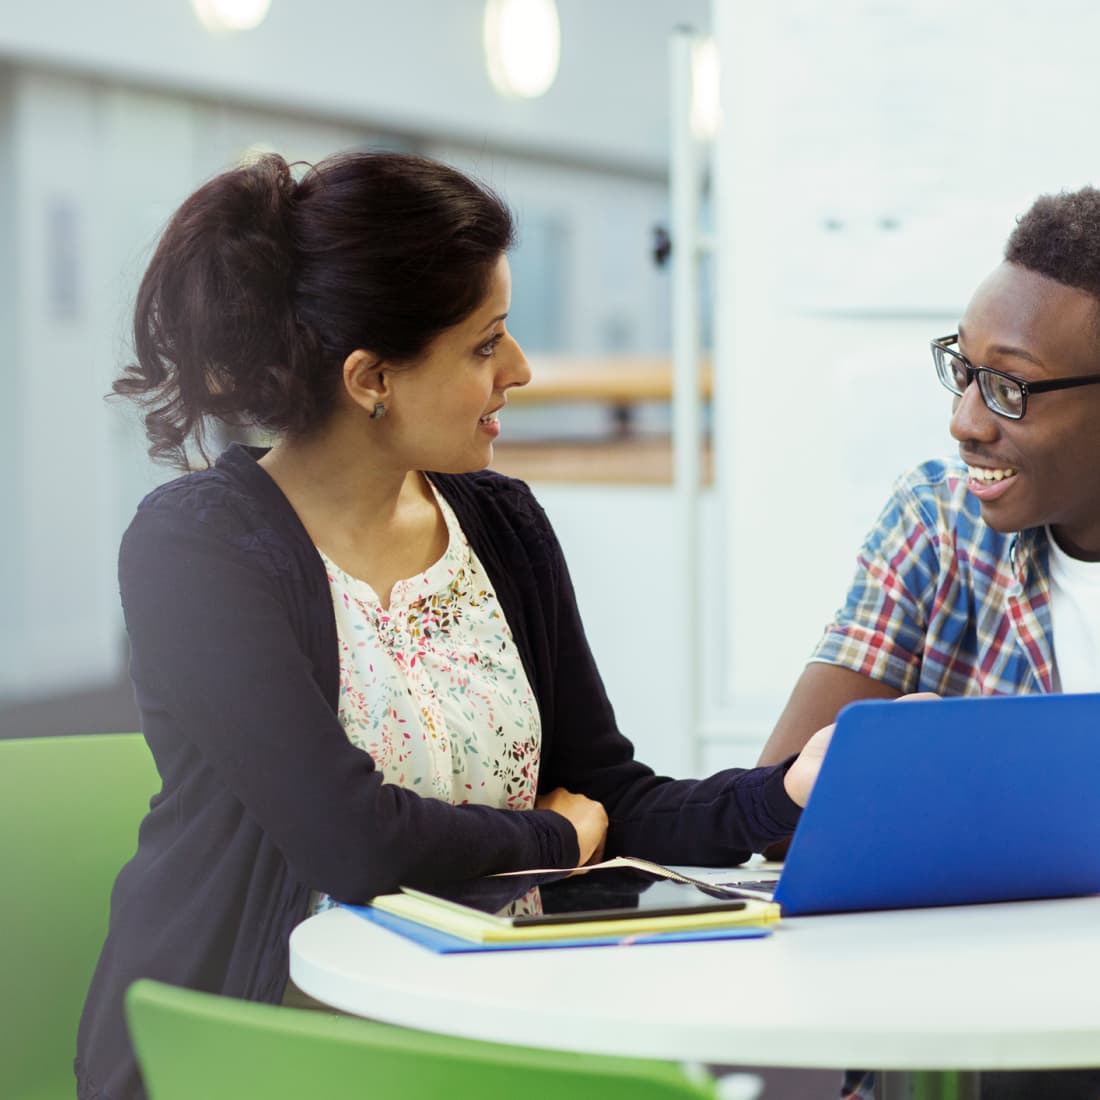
<point x="378" y="412"/>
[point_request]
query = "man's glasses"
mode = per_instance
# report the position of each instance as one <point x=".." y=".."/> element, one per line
<point x="1002" y="393"/>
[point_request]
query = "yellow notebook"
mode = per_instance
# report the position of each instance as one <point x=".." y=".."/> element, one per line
<point x="622" y="897"/>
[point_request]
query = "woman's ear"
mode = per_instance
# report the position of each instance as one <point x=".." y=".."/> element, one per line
<point x="365" y="380"/>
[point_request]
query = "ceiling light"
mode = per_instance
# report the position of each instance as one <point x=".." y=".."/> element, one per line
<point x="219" y="16"/>
<point x="522" y="46"/>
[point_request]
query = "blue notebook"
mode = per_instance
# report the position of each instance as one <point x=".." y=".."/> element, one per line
<point x="950" y="802"/>
<point x="445" y="944"/>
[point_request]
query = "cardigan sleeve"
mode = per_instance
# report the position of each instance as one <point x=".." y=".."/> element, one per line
<point x="214" y="644"/>
<point x="719" y="820"/>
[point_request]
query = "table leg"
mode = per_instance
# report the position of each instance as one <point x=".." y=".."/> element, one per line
<point x="927" y="1085"/>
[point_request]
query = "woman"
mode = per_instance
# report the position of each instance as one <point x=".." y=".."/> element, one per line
<point x="354" y="674"/>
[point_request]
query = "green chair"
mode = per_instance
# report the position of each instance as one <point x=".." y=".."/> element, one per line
<point x="69" y="814"/>
<point x="199" y="1045"/>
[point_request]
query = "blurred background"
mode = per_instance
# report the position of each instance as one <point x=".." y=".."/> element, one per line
<point x="856" y="171"/>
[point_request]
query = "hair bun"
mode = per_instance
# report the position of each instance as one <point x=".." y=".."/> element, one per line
<point x="258" y="202"/>
<point x="273" y="181"/>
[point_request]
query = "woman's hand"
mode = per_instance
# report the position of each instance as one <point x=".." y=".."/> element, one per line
<point x="800" y="777"/>
<point x="587" y="817"/>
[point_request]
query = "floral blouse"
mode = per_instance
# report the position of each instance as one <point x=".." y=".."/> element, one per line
<point x="434" y="688"/>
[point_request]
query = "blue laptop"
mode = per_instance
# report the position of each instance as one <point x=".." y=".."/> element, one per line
<point x="950" y="802"/>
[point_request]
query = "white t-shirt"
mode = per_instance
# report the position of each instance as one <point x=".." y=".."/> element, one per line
<point x="1075" y="619"/>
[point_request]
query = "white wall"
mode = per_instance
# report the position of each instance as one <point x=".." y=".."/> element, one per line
<point x="873" y="158"/>
<point x="57" y="618"/>
<point x="627" y="563"/>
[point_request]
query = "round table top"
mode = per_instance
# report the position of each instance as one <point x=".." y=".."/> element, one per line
<point x="968" y="987"/>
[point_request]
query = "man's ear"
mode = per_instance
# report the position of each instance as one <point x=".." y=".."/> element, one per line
<point x="365" y="379"/>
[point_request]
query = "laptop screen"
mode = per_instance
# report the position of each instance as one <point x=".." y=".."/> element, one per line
<point x="949" y="802"/>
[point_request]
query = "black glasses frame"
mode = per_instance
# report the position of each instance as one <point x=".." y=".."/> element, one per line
<point x="941" y="346"/>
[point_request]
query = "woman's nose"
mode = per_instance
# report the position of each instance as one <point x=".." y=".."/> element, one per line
<point x="517" y="371"/>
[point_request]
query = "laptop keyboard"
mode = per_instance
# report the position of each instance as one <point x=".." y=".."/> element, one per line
<point x="762" y="886"/>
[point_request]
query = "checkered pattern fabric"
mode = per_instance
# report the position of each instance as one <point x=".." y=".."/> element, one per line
<point x="941" y="602"/>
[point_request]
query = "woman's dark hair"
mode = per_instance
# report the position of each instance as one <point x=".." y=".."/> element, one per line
<point x="261" y="286"/>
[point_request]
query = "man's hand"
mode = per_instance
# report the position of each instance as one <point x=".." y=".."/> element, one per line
<point x="802" y="774"/>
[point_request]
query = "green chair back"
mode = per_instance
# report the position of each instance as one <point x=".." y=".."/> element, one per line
<point x="199" y="1045"/>
<point x="69" y="814"/>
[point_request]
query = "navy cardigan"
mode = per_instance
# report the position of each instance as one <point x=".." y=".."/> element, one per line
<point x="235" y="667"/>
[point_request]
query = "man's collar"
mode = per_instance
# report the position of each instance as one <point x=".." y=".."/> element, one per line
<point x="1027" y="548"/>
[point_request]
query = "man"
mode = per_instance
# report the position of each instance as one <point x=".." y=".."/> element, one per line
<point x="982" y="574"/>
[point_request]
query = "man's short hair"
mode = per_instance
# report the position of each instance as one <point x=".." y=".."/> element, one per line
<point x="1060" y="237"/>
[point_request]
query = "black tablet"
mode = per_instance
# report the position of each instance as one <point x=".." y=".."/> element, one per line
<point x="564" y="897"/>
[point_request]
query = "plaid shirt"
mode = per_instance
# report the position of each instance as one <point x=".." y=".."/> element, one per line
<point x="942" y="602"/>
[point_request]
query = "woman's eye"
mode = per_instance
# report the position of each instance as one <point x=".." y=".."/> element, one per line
<point x="489" y="347"/>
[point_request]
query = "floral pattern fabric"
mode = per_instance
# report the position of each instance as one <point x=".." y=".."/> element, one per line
<point x="433" y="687"/>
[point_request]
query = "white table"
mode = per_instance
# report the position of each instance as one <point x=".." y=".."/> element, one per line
<point x="1010" y="986"/>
